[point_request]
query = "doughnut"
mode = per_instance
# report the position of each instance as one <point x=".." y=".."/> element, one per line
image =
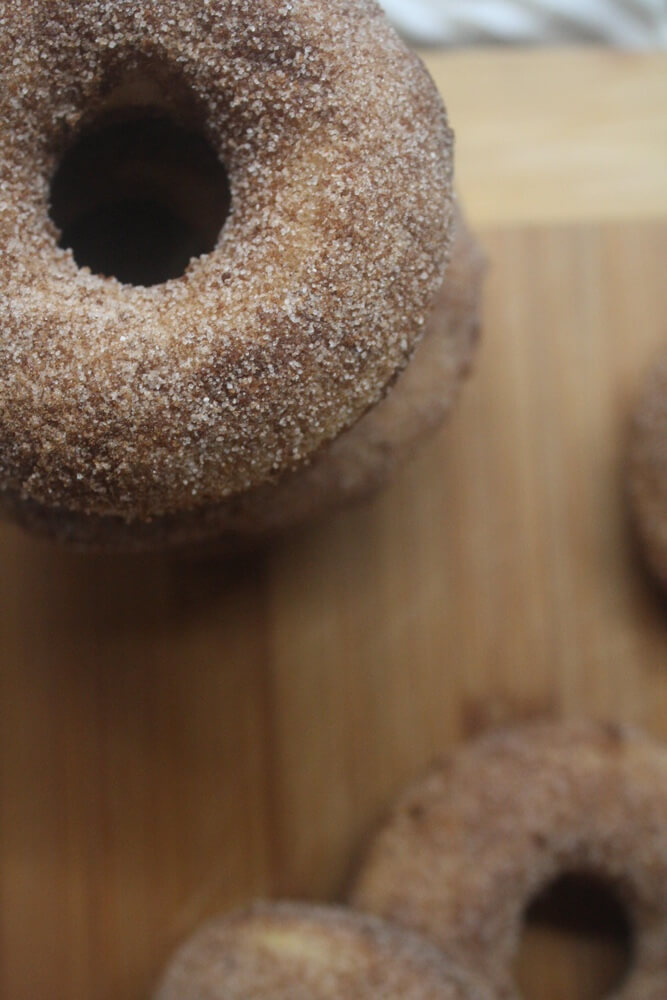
<point x="288" y="951"/>
<point x="473" y="843"/>
<point x="137" y="414"/>
<point x="648" y="469"/>
<point x="360" y="461"/>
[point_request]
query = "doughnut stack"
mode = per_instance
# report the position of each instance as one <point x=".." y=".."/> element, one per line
<point x="265" y="371"/>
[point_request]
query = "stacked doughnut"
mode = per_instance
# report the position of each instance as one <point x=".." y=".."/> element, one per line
<point x="264" y="379"/>
<point x="464" y="853"/>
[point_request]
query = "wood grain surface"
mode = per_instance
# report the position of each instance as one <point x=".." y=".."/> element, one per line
<point x="177" y="738"/>
<point x="557" y="136"/>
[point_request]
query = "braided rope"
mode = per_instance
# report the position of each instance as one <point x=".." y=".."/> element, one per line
<point x="626" y="23"/>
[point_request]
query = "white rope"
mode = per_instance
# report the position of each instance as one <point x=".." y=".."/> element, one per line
<point x="624" y="23"/>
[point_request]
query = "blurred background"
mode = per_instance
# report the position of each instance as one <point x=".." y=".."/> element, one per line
<point x="639" y="24"/>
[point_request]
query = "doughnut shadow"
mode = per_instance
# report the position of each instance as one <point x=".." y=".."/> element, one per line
<point x="151" y="597"/>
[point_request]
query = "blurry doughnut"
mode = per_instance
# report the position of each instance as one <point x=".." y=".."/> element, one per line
<point x="472" y="844"/>
<point x="285" y="951"/>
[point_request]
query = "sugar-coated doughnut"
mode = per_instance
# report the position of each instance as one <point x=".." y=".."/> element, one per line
<point x="469" y="846"/>
<point x="284" y="951"/>
<point x="128" y="404"/>
<point x="358" y="462"/>
<point x="648" y="468"/>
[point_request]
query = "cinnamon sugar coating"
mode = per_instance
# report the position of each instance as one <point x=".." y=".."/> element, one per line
<point x="358" y="462"/>
<point x="284" y="951"/>
<point x="132" y="402"/>
<point x="470" y="845"/>
<point x="648" y="468"/>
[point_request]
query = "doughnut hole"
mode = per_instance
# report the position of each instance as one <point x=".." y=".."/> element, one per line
<point x="577" y="941"/>
<point x="138" y="196"/>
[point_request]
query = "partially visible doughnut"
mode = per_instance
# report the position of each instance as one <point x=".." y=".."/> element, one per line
<point x="648" y="468"/>
<point x="285" y="951"/>
<point x="468" y="847"/>
<point x="132" y="404"/>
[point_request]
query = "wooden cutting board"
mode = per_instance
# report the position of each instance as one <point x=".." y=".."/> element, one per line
<point x="175" y="739"/>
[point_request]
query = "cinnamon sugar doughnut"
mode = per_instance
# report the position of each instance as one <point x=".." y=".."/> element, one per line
<point x="357" y="463"/>
<point x="468" y="847"/>
<point x="648" y="469"/>
<point x="125" y="406"/>
<point x="285" y="951"/>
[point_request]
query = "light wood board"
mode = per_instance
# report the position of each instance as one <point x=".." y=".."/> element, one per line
<point x="176" y="738"/>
